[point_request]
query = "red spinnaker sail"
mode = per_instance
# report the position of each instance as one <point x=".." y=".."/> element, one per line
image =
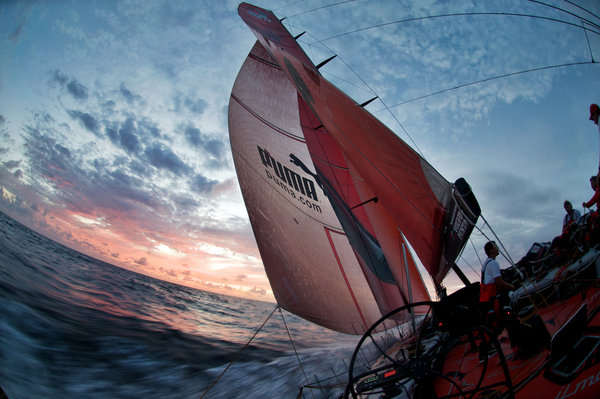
<point x="415" y="195"/>
<point x="331" y="192"/>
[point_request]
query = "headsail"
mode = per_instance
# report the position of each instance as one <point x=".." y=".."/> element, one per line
<point x="311" y="267"/>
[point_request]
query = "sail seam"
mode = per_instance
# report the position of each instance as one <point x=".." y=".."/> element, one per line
<point x="266" y="122"/>
<point x="264" y="61"/>
<point x="337" y="258"/>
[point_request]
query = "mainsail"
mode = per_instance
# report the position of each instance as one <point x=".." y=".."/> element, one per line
<point x="332" y="193"/>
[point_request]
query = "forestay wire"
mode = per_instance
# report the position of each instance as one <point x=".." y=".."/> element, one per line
<point x="239" y="353"/>
<point x="236" y="357"/>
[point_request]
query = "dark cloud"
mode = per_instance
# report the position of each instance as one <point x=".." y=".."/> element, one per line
<point x="18" y="174"/>
<point x="76" y="89"/>
<point x="162" y="157"/>
<point x="64" y="151"/>
<point x="201" y="184"/>
<point x="169" y="272"/>
<point x="127" y="136"/>
<point x="12" y="164"/>
<point x="87" y="120"/>
<point x="112" y="132"/>
<point x="194" y="136"/>
<point x="198" y="106"/>
<point x="148" y="128"/>
<point x="122" y="178"/>
<point x="214" y="148"/>
<point x="185" y="202"/>
<point x="129" y="95"/>
<point x="131" y="133"/>
<point x="87" y="186"/>
<point x="60" y="78"/>
<point x="100" y="163"/>
<point x="48" y="158"/>
<point x="2" y="120"/>
<point x="117" y="189"/>
<point x="141" y="261"/>
<point x="140" y="169"/>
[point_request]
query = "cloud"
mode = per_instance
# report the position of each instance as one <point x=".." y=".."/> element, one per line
<point x="201" y="184"/>
<point x="162" y="157"/>
<point x="48" y="158"/>
<point x="194" y="136"/>
<point x="168" y="272"/>
<point x="86" y="120"/>
<point x="141" y="261"/>
<point x="216" y="149"/>
<point x="11" y="164"/>
<point x="60" y="78"/>
<point x="128" y="136"/>
<point x="76" y="89"/>
<point x="259" y="291"/>
<point x="196" y="106"/>
<point x="129" y="96"/>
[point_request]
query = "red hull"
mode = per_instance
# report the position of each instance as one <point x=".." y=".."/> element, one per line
<point x="533" y="376"/>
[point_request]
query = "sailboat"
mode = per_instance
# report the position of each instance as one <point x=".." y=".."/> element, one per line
<point x="338" y="204"/>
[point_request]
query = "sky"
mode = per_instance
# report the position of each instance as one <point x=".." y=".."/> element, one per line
<point x="113" y="118"/>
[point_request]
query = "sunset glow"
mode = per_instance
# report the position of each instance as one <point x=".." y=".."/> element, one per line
<point x="114" y="137"/>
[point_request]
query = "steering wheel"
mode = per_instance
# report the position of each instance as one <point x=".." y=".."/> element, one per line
<point x="404" y="352"/>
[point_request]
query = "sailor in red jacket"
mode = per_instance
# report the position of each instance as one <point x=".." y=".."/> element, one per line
<point x="596" y="197"/>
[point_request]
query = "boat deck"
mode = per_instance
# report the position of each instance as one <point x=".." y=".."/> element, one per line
<point x="533" y="374"/>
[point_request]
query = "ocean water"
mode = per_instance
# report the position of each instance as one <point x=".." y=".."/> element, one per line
<point x="75" y="327"/>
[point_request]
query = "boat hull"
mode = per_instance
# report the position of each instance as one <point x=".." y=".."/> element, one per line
<point x="568" y="366"/>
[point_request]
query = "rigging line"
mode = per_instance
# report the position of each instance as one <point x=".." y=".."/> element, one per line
<point x="478" y="258"/>
<point x="460" y="15"/>
<point x="476" y="252"/>
<point x="584" y="9"/>
<point x="565" y="11"/>
<point x="320" y="8"/>
<point x="239" y="353"/>
<point x="588" y="42"/>
<point x="470" y="267"/>
<point x="294" y="347"/>
<point x="505" y="253"/>
<point x="488" y="80"/>
<point x="286" y="6"/>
